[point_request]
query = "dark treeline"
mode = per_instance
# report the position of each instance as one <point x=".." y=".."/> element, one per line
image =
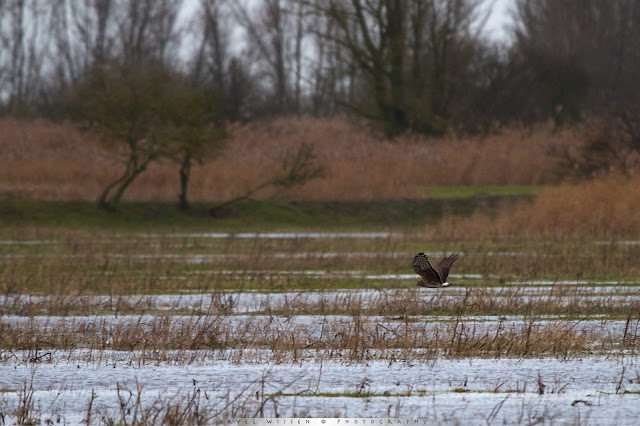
<point x="420" y="65"/>
<point x="154" y="73"/>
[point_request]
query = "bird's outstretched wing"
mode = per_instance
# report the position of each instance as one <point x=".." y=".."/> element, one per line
<point x="445" y="265"/>
<point x="422" y="267"/>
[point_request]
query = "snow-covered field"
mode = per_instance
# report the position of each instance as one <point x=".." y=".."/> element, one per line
<point x="255" y="302"/>
<point x="559" y="348"/>
<point x="589" y="390"/>
<point x="317" y="327"/>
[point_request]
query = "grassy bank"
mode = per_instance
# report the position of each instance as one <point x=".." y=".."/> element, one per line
<point x="262" y="215"/>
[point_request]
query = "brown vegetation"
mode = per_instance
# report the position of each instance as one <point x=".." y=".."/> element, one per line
<point x="569" y="301"/>
<point x="603" y="208"/>
<point x="358" y="336"/>
<point x="43" y="160"/>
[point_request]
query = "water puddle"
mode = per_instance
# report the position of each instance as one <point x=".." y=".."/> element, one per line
<point x="26" y="242"/>
<point x="212" y="258"/>
<point x="274" y="235"/>
<point x="242" y="274"/>
<point x="571" y="282"/>
<point x="623" y="242"/>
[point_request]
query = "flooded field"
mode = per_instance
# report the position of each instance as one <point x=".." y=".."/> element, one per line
<point x="471" y="391"/>
<point x="185" y="327"/>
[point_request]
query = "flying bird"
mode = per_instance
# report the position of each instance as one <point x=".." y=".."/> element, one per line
<point x="433" y="277"/>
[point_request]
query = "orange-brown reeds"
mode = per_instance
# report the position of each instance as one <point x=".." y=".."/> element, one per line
<point x="602" y="208"/>
<point x="45" y="160"/>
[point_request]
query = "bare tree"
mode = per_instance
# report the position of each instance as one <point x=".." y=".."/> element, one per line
<point x="453" y="50"/>
<point x="148" y="29"/>
<point x="580" y="55"/>
<point x="89" y="33"/>
<point x="23" y="47"/>
<point x="117" y="102"/>
<point x="84" y="35"/>
<point x="192" y="126"/>
<point x="371" y="32"/>
<point x="299" y="166"/>
<point x="409" y="53"/>
<point x="274" y="33"/>
<point x="212" y="57"/>
<point x="215" y="64"/>
<point x="145" y="114"/>
<point x="324" y="77"/>
<point x="580" y="59"/>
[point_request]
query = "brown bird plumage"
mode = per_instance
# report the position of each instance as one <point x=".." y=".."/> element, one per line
<point x="433" y="277"/>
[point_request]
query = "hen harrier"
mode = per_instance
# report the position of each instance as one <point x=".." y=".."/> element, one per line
<point x="433" y="277"/>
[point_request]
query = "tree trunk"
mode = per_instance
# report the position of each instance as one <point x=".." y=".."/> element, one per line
<point x="122" y="183"/>
<point x="128" y="180"/>
<point x="395" y="29"/>
<point x="185" y="174"/>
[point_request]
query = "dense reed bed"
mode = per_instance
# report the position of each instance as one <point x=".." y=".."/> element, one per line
<point x="603" y="208"/>
<point x="45" y="160"/>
